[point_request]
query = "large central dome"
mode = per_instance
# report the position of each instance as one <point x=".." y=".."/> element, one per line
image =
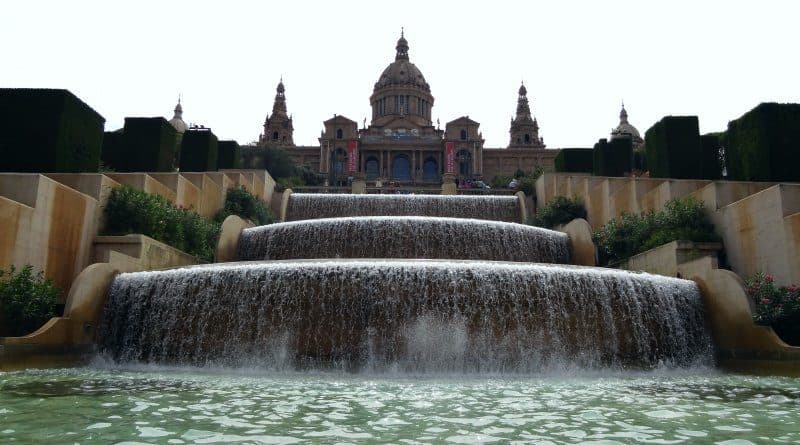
<point x="401" y="71"/>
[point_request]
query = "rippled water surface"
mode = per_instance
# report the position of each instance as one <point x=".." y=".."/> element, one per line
<point x="187" y="406"/>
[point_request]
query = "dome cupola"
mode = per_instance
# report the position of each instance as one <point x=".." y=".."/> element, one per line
<point x="625" y="129"/>
<point x="401" y="91"/>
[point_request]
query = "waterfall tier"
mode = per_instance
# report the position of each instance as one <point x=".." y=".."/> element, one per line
<point x="322" y="205"/>
<point x="406" y="315"/>
<point x="404" y="237"/>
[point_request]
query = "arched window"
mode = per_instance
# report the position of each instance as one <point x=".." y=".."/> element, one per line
<point x="464" y="159"/>
<point x="401" y="168"/>
<point x="275" y="136"/>
<point x="339" y="133"/>
<point x="430" y="170"/>
<point x="463" y="135"/>
<point x="371" y="167"/>
<point x="527" y="138"/>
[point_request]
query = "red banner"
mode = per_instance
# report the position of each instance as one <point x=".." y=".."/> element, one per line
<point x="450" y="157"/>
<point x="352" y="156"/>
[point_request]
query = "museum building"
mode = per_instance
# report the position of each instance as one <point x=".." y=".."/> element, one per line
<point x="401" y="142"/>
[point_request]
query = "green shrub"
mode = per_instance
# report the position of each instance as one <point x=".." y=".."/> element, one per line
<point x="27" y="301"/>
<point x="775" y="306"/>
<point x="560" y="210"/>
<point x="527" y="183"/>
<point x="501" y="181"/>
<point x="681" y="219"/>
<point x="134" y="211"/>
<point x="244" y="204"/>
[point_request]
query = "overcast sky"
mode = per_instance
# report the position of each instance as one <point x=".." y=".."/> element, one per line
<point x="579" y="59"/>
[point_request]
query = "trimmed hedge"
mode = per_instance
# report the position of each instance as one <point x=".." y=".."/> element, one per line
<point x="575" y="160"/>
<point x="674" y="149"/>
<point x="612" y="158"/>
<point x="229" y="155"/>
<point x="764" y="144"/>
<point x="711" y="168"/>
<point x="199" y="149"/>
<point x="45" y="130"/>
<point x="146" y="144"/>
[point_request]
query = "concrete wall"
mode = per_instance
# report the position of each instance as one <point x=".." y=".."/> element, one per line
<point x="50" y="221"/>
<point x="47" y="225"/>
<point x="758" y="221"/>
<point x="138" y="252"/>
<point x="666" y="259"/>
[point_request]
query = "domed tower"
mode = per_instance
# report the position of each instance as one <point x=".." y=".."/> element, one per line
<point x="524" y="128"/>
<point x="278" y="128"/>
<point x="177" y="120"/>
<point x="625" y="129"/>
<point x="180" y="127"/>
<point x="401" y="91"/>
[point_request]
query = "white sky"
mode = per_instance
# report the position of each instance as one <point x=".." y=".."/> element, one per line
<point x="579" y="59"/>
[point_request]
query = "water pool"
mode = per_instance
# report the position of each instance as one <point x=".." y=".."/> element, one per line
<point x="92" y="405"/>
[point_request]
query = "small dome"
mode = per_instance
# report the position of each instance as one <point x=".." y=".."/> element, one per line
<point x="179" y="125"/>
<point x="177" y="120"/>
<point x="625" y="128"/>
<point x="401" y="71"/>
<point x="280" y="88"/>
<point x="522" y="90"/>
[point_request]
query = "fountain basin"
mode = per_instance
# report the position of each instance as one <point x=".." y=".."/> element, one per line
<point x="324" y="205"/>
<point x="404" y="237"/>
<point x="414" y="315"/>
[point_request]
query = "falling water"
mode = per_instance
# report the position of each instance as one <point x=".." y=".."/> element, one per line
<point x="406" y="315"/>
<point x="404" y="237"/>
<point x="321" y="205"/>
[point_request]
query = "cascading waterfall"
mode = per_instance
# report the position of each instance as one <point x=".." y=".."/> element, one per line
<point x="404" y="237"/>
<point x="321" y="205"/>
<point x="407" y="315"/>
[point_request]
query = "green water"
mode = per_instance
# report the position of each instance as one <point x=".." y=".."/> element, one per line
<point x="189" y="406"/>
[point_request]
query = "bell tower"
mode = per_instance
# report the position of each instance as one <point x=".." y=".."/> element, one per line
<point x="524" y="128"/>
<point x="278" y="128"/>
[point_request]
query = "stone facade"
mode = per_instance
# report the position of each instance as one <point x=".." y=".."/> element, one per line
<point x="401" y="142"/>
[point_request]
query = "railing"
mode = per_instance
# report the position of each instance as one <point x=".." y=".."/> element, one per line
<point x="403" y="190"/>
<point x="478" y="191"/>
<point x="321" y="189"/>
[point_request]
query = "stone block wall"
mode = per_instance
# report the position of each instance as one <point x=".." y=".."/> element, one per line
<point x="759" y="221"/>
<point x="51" y="221"/>
<point x="47" y="225"/>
